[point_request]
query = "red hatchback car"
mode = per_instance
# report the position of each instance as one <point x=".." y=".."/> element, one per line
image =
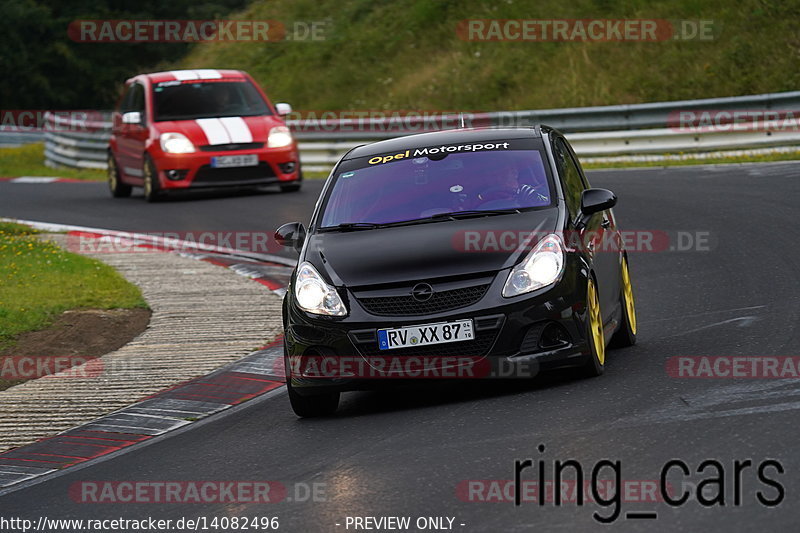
<point x="199" y="128"/>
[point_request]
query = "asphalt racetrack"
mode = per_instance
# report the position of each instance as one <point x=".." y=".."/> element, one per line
<point x="433" y="450"/>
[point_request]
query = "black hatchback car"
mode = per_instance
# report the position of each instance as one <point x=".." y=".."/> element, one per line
<point x="455" y="254"/>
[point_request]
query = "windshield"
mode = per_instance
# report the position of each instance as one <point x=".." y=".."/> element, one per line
<point x="449" y="179"/>
<point x="175" y="100"/>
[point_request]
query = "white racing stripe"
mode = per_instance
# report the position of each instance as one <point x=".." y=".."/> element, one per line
<point x="198" y="74"/>
<point x="214" y="130"/>
<point x="208" y="74"/>
<point x="184" y="74"/>
<point x="238" y="129"/>
<point x="225" y="130"/>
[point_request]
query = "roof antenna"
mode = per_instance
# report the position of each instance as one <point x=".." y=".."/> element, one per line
<point x="461" y="118"/>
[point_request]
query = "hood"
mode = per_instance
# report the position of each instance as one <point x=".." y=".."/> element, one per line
<point x="224" y="130"/>
<point x="426" y="251"/>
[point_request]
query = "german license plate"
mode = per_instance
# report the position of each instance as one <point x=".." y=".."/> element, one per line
<point x="228" y="161"/>
<point x="425" y="334"/>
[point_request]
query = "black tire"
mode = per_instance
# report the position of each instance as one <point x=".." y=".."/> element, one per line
<point x="318" y="405"/>
<point x="626" y="334"/>
<point x="595" y="362"/>
<point x="117" y="188"/>
<point x="152" y="188"/>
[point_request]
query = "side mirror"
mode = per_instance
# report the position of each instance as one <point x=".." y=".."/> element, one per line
<point x="596" y="200"/>
<point x="292" y="234"/>
<point x="132" y="117"/>
<point x="593" y="201"/>
<point x="283" y="109"/>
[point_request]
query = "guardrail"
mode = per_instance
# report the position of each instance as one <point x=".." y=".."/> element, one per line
<point x="85" y="148"/>
<point x="11" y="139"/>
<point x="322" y="156"/>
<point x="568" y="120"/>
<point x="594" y="131"/>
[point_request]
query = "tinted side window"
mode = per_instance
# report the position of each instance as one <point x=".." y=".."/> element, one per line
<point x="137" y="98"/>
<point x="570" y="177"/>
<point x="127" y="100"/>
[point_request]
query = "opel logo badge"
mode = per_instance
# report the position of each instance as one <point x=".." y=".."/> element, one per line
<point x="422" y="292"/>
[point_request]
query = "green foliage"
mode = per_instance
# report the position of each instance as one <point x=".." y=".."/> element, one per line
<point x="44" y="69"/>
<point x="405" y="54"/>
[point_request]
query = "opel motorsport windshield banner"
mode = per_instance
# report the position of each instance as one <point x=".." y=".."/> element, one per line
<point x="442" y="151"/>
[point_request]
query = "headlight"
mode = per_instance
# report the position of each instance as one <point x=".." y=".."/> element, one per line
<point x="312" y="294"/>
<point x="279" y="136"/>
<point x="176" y="143"/>
<point x="541" y="268"/>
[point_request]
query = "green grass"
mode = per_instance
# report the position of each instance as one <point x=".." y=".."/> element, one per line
<point x="39" y="280"/>
<point x="28" y="160"/>
<point x="406" y="55"/>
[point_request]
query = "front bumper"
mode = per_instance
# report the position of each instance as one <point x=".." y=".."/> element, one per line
<point x="183" y="171"/>
<point x="514" y="337"/>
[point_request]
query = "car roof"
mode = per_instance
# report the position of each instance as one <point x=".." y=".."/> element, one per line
<point x="194" y="74"/>
<point x="458" y="136"/>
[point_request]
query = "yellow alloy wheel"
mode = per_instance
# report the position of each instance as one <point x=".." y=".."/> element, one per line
<point x="148" y="180"/>
<point x="596" y="323"/>
<point x="112" y="172"/>
<point x="627" y="292"/>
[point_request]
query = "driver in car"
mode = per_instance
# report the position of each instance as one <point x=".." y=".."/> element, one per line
<point x="506" y="190"/>
<point x="226" y="102"/>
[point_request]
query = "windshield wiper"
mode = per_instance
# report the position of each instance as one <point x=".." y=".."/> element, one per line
<point x="351" y="226"/>
<point x="473" y="213"/>
<point x="455" y="215"/>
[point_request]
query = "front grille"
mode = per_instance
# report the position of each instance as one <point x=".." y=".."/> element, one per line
<point x="207" y="174"/>
<point x="477" y="347"/>
<point x="230" y="147"/>
<point x="440" y="301"/>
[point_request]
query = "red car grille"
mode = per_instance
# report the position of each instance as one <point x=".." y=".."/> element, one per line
<point x="230" y="147"/>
